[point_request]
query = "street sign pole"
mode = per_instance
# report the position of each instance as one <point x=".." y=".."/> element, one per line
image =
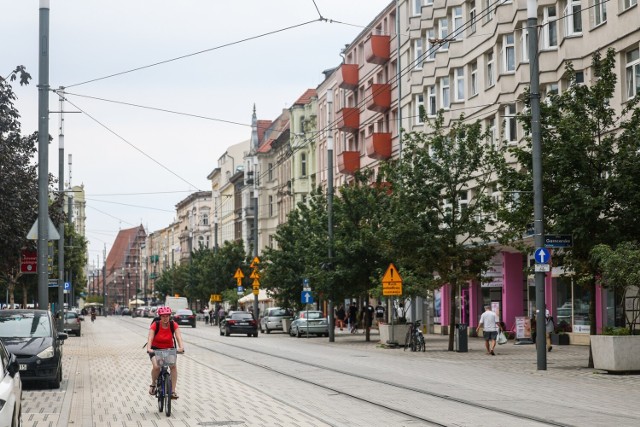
<point x="538" y="200"/>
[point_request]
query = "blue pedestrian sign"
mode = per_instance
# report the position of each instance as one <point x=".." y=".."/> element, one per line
<point x="307" y="298"/>
<point x="542" y="256"/>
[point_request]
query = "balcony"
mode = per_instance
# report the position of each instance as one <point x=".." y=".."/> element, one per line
<point x="348" y="120"/>
<point x="349" y="162"/>
<point x="378" y="145"/>
<point x="377" y="49"/>
<point x="378" y="97"/>
<point x="348" y="76"/>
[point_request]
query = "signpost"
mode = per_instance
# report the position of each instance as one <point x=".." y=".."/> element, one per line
<point x="558" y="241"/>
<point x="392" y="286"/>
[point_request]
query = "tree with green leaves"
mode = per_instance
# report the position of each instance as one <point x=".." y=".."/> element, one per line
<point x="443" y="208"/>
<point x="18" y="183"/>
<point x="619" y="269"/>
<point x="591" y="170"/>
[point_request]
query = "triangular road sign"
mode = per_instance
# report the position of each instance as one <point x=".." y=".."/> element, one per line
<point x="239" y="274"/>
<point x="52" y="232"/>
<point x="391" y="275"/>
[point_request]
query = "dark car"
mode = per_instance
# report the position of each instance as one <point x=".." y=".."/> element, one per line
<point x="32" y="336"/>
<point x="239" y="322"/>
<point x="185" y="317"/>
<point x="72" y="323"/>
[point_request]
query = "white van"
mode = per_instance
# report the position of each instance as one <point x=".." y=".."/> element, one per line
<point x="176" y="303"/>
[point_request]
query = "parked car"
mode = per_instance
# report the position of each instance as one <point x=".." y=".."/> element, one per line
<point x="239" y="322"/>
<point x="185" y="317"/>
<point x="72" y="323"/>
<point x="10" y="389"/>
<point x="310" y="322"/>
<point x="32" y="336"/>
<point x="272" y="319"/>
<point x="125" y="312"/>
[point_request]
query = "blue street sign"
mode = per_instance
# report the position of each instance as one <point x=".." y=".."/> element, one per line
<point x="305" y="283"/>
<point x="306" y="297"/>
<point x="67" y="286"/>
<point x="240" y="290"/>
<point x="542" y="255"/>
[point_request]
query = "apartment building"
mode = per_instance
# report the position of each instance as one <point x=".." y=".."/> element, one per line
<point x="472" y="57"/>
<point x="160" y="252"/>
<point x="194" y="219"/>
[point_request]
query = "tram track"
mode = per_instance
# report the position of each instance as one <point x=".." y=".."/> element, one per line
<point x="256" y="358"/>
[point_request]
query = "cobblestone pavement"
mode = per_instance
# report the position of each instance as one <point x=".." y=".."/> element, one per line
<point x="106" y="377"/>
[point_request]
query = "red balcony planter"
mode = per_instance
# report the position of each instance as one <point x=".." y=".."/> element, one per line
<point x="348" y="119"/>
<point x="378" y="145"/>
<point x="349" y="162"/>
<point x="377" y="49"/>
<point x="378" y="97"/>
<point x="348" y="76"/>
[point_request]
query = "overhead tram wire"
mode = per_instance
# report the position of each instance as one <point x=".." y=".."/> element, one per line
<point x="130" y="205"/>
<point x="166" y="61"/>
<point x="404" y="71"/>
<point x="133" y="146"/>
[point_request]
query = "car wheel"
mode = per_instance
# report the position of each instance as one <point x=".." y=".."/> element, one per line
<point x="267" y="329"/>
<point x="298" y="334"/>
<point x="221" y="332"/>
<point x="193" y="326"/>
<point x="56" y="383"/>
<point x="255" y="335"/>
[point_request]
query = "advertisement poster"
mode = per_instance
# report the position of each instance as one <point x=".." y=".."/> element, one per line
<point x="523" y="328"/>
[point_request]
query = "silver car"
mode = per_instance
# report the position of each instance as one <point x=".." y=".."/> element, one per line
<point x="272" y="319"/>
<point x="312" y="322"/>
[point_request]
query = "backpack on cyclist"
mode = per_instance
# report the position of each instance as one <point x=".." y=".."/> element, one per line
<point x="172" y="326"/>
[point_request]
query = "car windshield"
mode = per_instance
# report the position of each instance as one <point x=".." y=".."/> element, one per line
<point x="279" y="313"/>
<point x="24" y="325"/>
<point x="241" y="316"/>
<point x="184" y="312"/>
<point x="71" y="315"/>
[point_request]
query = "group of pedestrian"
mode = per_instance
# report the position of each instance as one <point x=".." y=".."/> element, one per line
<point x="350" y="319"/>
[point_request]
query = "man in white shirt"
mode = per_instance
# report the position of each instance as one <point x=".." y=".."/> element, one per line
<point x="489" y="323"/>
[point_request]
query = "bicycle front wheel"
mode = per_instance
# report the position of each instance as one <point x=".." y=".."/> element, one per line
<point x="160" y="392"/>
<point x="167" y="395"/>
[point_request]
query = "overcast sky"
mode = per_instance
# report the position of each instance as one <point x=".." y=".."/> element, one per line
<point x="136" y="163"/>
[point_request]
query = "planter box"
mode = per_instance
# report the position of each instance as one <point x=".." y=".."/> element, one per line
<point x="616" y="353"/>
<point x="560" y="339"/>
<point x="399" y="333"/>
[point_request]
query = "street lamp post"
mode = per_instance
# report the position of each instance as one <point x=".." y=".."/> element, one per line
<point x="538" y="200"/>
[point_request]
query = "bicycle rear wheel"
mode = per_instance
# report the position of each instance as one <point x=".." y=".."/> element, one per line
<point x="160" y="392"/>
<point x="167" y="394"/>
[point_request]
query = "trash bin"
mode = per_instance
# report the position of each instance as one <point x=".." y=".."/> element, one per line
<point x="461" y="336"/>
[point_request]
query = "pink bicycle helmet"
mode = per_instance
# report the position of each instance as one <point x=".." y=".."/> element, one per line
<point x="164" y="310"/>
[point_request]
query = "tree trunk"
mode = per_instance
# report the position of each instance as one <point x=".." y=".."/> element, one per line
<point x="452" y="313"/>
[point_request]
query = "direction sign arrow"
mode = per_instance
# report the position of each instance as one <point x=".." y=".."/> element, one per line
<point x="542" y="255"/>
<point x="306" y="297"/>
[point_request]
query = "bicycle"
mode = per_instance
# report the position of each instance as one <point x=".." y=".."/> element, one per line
<point x="414" y="339"/>
<point x="164" y="358"/>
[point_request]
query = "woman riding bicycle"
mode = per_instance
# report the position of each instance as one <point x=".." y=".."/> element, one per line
<point x="163" y="334"/>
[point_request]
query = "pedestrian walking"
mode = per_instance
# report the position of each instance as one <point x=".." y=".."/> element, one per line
<point x="353" y="314"/>
<point x="550" y="327"/>
<point x="379" y="313"/>
<point x="340" y="314"/>
<point x="489" y="323"/>
<point x="205" y="312"/>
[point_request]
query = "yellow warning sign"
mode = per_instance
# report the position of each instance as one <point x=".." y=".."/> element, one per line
<point x="391" y="282"/>
<point x="239" y="274"/>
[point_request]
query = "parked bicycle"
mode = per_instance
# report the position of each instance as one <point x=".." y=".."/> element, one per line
<point x="414" y="339"/>
<point x="165" y="359"/>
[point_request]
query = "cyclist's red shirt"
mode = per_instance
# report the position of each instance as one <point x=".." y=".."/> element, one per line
<point x="164" y="338"/>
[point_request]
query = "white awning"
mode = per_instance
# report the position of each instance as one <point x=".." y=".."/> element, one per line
<point x="262" y="296"/>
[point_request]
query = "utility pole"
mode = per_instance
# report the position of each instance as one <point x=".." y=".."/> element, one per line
<point x="61" y="225"/>
<point x="332" y="336"/>
<point x="105" y="295"/>
<point x="538" y="200"/>
<point x="255" y="226"/>
<point x="43" y="156"/>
